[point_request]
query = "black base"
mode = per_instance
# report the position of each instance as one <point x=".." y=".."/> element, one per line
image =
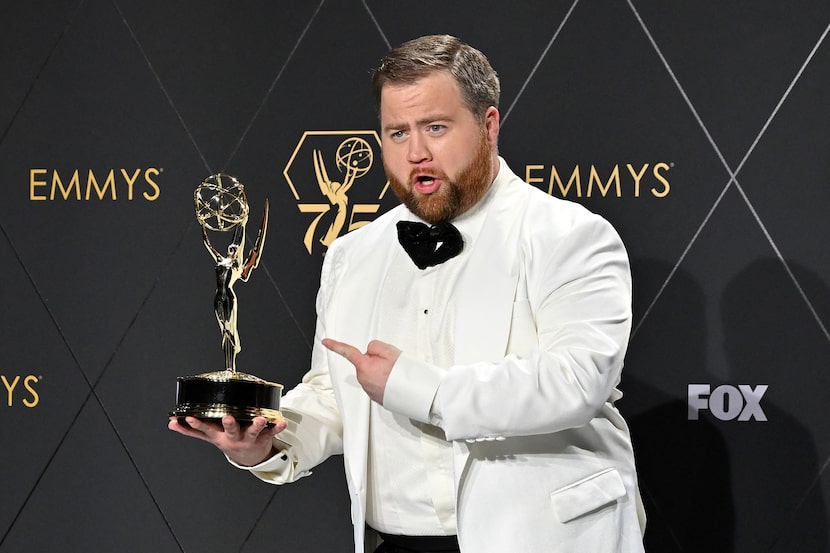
<point x="213" y="396"/>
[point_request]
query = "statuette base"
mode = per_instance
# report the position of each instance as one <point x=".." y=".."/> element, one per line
<point x="211" y="396"/>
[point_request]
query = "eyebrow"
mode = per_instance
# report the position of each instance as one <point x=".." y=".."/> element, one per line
<point x="419" y="123"/>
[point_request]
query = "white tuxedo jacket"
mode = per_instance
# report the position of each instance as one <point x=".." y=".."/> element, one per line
<point x="543" y="459"/>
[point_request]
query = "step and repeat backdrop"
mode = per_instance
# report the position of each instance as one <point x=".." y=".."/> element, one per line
<point x="700" y="130"/>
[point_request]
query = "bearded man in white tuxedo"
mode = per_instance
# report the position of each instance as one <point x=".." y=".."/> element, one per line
<point x="470" y="383"/>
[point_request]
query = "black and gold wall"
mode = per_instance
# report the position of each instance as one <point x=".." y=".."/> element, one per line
<point x="701" y="130"/>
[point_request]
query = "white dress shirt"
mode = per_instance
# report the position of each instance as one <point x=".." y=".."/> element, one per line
<point x="410" y="471"/>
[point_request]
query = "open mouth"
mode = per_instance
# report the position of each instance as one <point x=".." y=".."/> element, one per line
<point x="426" y="184"/>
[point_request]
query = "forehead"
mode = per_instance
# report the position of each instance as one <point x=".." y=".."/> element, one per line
<point x="436" y="93"/>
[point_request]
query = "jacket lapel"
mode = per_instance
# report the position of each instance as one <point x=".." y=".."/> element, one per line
<point x="354" y="322"/>
<point x="488" y="287"/>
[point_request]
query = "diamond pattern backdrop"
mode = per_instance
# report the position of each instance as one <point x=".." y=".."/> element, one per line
<point x="700" y="130"/>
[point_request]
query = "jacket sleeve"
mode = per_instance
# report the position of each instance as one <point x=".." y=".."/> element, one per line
<point x="579" y="294"/>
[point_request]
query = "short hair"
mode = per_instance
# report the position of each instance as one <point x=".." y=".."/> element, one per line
<point x="419" y="58"/>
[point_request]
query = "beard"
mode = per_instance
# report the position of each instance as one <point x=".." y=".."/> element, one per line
<point x="455" y="196"/>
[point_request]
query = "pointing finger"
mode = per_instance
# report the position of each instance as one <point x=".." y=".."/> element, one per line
<point x="342" y="349"/>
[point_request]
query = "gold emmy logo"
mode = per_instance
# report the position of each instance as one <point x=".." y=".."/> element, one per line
<point x="21" y="390"/>
<point x="632" y="181"/>
<point x="328" y="165"/>
<point x="89" y="185"/>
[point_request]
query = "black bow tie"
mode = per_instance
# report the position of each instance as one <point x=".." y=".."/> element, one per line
<point x="429" y="246"/>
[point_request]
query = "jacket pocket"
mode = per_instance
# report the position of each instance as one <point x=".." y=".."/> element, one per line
<point x="588" y="494"/>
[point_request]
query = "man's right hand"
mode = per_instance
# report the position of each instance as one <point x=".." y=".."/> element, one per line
<point x="246" y="446"/>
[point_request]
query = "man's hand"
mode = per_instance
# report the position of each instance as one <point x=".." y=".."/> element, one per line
<point x="246" y="446"/>
<point x="372" y="367"/>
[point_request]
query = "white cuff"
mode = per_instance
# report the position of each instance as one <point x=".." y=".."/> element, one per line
<point x="277" y="469"/>
<point x="411" y="388"/>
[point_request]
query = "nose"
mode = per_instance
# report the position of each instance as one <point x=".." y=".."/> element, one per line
<point x="417" y="150"/>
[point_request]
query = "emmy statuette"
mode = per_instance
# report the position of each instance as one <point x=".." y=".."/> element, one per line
<point x="222" y="207"/>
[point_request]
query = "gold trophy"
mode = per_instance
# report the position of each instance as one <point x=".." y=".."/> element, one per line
<point x="222" y="207"/>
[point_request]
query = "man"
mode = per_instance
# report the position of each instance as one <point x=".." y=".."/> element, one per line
<point x="472" y="395"/>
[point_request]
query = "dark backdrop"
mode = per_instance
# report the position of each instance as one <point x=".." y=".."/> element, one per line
<point x="699" y="129"/>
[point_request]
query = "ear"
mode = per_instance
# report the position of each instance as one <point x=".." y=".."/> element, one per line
<point x="491" y="124"/>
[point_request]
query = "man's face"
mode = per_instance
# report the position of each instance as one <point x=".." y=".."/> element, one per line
<point x="440" y="159"/>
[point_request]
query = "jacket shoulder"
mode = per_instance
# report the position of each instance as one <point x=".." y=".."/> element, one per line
<point x="544" y="215"/>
